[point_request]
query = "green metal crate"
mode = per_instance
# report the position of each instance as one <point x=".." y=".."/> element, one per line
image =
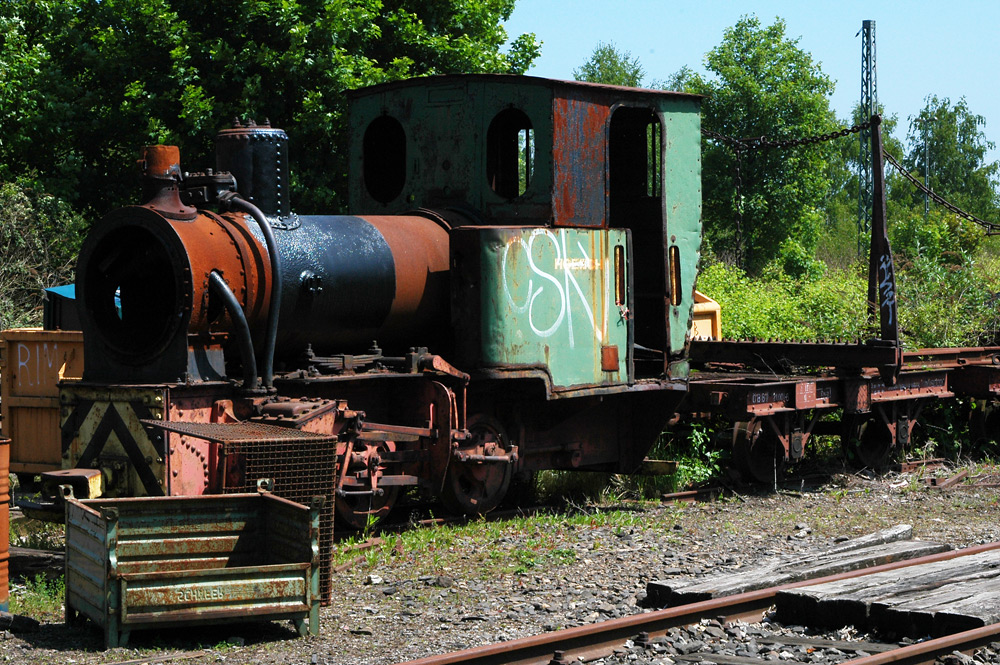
<point x="162" y="562"/>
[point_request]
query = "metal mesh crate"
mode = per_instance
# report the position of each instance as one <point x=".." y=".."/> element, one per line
<point x="300" y="470"/>
<point x="301" y="464"/>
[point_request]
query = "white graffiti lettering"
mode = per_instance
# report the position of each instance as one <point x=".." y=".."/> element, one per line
<point x="32" y="360"/>
<point x="546" y="332"/>
<point x="886" y="287"/>
<point x="552" y="290"/>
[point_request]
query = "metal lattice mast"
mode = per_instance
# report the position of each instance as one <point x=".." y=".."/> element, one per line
<point x="869" y="107"/>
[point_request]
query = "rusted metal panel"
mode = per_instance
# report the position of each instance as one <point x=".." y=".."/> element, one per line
<point x="4" y="523"/>
<point x="976" y="381"/>
<point x="101" y="428"/>
<point x="609" y="359"/>
<point x="579" y="157"/>
<point x="912" y="385"/>
<point x="547" y="298"/>
<point x="744" y="396"/>
<point x="442" y="148"/>
<point x="858" y="396"/>
<point x="32" y="363"/>
<point x="952" y="357"/>
<point x="171" y="561"/>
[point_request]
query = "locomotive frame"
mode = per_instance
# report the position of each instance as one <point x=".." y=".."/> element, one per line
<point x="513" y="293"/>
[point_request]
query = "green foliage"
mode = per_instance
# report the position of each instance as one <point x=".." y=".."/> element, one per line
<point x="949" y="304"/>
<point x="85" y="84"/>
<point x="611" y="66"/>
<point x="764" y="85"/>
<point x="40" y="598"/>
<point x="40" y="236"/>
<point x="778" y="306"/>
<point x="798" y="263"/>
<point x="939" y="236"/>
<point x="942" y="431"/>
<point x="697" y="459"/>
<point x="947" y="145"/>
<point x="944" y="299"/>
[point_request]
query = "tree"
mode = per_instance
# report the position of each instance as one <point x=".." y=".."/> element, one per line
<point x="86" y="83"/>
<point x="39" y="238"/>
<point x="610" y="66"/>
<point x="764" y="85"/>
<point x="840" y="238"/>
<point x="947" y="145"/>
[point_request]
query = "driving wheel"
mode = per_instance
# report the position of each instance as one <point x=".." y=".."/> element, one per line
<point x="473" y="487"/>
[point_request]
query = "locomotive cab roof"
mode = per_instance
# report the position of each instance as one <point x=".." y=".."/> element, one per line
<point x="523" y="150"/>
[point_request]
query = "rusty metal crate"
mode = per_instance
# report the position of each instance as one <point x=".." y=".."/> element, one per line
<point x="159" y="562"/>
<point x="300" y="470"/>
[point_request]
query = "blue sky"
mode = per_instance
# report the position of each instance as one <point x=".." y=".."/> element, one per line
<point x="949" y="49"/>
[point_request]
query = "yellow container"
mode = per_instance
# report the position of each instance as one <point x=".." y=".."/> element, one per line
<point x="707" y="322"/>
<point x="32" y="363"/>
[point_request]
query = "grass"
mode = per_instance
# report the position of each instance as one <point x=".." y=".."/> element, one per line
<point x="513" y="546"/>
<point x="40" y="598"/>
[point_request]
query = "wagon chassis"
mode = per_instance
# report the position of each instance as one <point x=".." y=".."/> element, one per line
<point x="776" y="411"/>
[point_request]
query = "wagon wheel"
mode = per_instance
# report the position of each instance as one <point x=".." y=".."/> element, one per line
<point x="867" y="442"/>
<point x="475" y="488"/>
<point x="757" y="452"/>
<point x="364" y="511"/>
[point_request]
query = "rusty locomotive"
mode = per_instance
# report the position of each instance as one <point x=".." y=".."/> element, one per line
<point x="512" y="293"/>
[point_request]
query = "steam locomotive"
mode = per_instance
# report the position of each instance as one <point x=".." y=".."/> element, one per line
<point x="513" y="293"/>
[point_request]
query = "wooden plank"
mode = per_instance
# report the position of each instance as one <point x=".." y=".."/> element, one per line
<point x="717" y="658"/>
<point x="967" y="603"/>
<point x="914" y="616"/>
<point x="905" y="601"/>
<point x="26" y="563"/>
<point x="660" y="593"/>
<point x="822" y="643"/>
<point x="982" y="609"/>
<point x="890" y="535"/>
<point x="785" y="571"/>
<point x="848" y="602"/>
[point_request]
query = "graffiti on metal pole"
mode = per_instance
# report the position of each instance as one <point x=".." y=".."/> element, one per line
<point x="887" y="286"/>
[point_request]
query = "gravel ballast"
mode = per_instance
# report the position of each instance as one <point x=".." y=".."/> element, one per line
<point x="467" y="587"/>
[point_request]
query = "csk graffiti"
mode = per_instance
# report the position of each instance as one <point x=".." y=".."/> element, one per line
<point x="557" y="266"/>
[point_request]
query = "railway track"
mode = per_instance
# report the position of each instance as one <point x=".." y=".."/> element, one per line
<point x="586" y="643"/>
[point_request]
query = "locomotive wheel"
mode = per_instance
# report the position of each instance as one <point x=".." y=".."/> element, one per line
<point x="867" y="442"/>
<point x="366" y="511"/>
<point x="757" y="452"/>
<point x="475" y="488"/>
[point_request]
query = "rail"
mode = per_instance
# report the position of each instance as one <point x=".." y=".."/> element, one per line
<point x="600" y="639"/>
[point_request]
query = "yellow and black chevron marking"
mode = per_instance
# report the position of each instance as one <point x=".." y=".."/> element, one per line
<point x="102" y="430"/>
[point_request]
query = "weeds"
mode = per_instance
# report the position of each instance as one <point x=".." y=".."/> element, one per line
<point x="40" y="597"/>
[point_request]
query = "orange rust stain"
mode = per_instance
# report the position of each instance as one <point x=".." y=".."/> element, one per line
<point x="579" y="155"/>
